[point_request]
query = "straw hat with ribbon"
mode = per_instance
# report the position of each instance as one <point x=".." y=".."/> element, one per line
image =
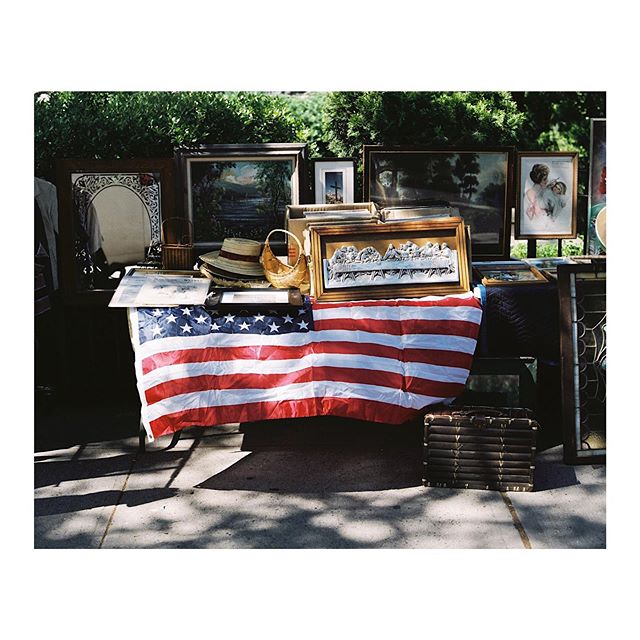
<point x="238" y="259"/>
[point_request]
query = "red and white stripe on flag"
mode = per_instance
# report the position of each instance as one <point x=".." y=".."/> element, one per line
<point x="380" y="361"/>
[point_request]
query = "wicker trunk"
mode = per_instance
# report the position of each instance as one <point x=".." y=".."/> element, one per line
<point x="479" y="448"/>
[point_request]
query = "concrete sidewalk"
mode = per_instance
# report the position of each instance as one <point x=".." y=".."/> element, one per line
<point x="307" y="484"/>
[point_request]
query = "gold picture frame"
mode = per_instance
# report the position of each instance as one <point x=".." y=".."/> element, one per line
<point x="504" y="274"/>
<point x="406" y="259"/>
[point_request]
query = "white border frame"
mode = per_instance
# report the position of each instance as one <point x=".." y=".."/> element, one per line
<point x="322" y="167"/>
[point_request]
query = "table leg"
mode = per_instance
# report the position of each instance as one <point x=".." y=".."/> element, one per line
<point x="142" y="435"/>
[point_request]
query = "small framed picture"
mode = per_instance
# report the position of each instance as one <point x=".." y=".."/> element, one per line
<point x="334" y="180"/>
<point x="507" y="273"/>
<point x="547" y="195"/>
<point x="548" y="266"/>
<point x="405" y="259"/>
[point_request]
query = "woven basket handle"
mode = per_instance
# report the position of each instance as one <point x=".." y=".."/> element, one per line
<point x="300" y="250"/>
<point x="180" y="225"/>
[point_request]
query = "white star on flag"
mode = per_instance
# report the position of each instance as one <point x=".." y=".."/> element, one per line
<point x="186" y="328"/>
<point x="303" y="325"/>
<point x="229" y="318"/>
<point x="171" y="318"/>
<point x="274" y="327"/>
<point x="201" y="319"/>
<point x="156" y="330"/>
<point x="301" y="312"/>
<point x="258" y="318"/>
<point x="244" y="325"/>
<point x="186" y="312"/>
<point x="288" y="318"/>
<point x="156" y="313"/>
<point x="215" y="327"/>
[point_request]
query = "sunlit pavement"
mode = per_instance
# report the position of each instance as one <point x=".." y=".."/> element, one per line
<point x="274" y="486"/>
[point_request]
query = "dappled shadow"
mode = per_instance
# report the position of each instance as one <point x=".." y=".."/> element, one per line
<point x="80" y="502"/>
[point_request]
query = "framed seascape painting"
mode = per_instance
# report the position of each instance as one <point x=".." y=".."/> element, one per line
<point x="547" y="195"/>
<point x="333" y="180"/>
<point x="478" y="183"/>
<point x="596" y="241"/>
<point x="239" y="190"/>
<point x="394" y="260"/>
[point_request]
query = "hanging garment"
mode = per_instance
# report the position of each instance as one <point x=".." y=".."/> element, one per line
<point x="47" y="200"/>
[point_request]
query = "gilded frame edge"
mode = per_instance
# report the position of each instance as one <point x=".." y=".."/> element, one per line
<point x="377" y="292"/>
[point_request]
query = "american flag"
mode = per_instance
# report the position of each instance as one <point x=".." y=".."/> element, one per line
<point x="379" y="360"/>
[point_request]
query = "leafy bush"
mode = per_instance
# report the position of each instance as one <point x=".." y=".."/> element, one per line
<point x="548" y="249"/>
<point x="444" y="119"/>
<point x="113" y="125"/>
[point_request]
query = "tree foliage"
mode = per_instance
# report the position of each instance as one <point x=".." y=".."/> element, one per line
<point x="112" y="125"/>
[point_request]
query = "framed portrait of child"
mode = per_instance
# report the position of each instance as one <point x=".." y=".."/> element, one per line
<point x="546" y="195"/>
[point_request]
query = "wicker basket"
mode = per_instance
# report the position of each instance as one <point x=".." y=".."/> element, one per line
<point x="279" y="274"/>
<point x="177" y="244"/>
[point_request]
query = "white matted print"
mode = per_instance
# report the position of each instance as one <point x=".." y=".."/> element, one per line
<point x="547" y="195"/>
<point x="334" y="181"/>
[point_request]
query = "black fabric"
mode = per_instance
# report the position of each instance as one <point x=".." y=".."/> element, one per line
<point x="521" y="320"/>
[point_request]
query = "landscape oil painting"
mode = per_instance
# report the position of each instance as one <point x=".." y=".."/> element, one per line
<point x="238" y="190"/>
<point x="234" y="198"/>
<point x="477" y="183"/>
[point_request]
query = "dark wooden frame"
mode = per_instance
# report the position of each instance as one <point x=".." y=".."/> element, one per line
<point x="567" y="274"/>
<point x="321" y="233"/>
<point x="227" y="152"/>
<point x="574" y="195"/>
<point x="504" y="248"/>
<point x="315" y="161"/>
<point x="65" y="168"/>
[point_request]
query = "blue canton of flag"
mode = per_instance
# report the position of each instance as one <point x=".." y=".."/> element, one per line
<point x="191" y="321"/>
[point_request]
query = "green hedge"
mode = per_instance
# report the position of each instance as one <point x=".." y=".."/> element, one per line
<point x="111" y="125"/>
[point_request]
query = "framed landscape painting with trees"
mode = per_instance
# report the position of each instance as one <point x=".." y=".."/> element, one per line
<point x="239" y="190"/>
<point x="479" y="183"/>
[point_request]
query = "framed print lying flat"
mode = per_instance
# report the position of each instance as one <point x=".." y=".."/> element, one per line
<point x="504" y="273"/>
<point x="239" y="190"/>
<point x="547" y="195"/>
<point x="333" y="180"/>
<point x="479" y="183"/>
<point x="393" y="260"/>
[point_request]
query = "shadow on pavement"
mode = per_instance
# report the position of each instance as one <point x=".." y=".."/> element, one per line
<point x="80" y="502"/>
